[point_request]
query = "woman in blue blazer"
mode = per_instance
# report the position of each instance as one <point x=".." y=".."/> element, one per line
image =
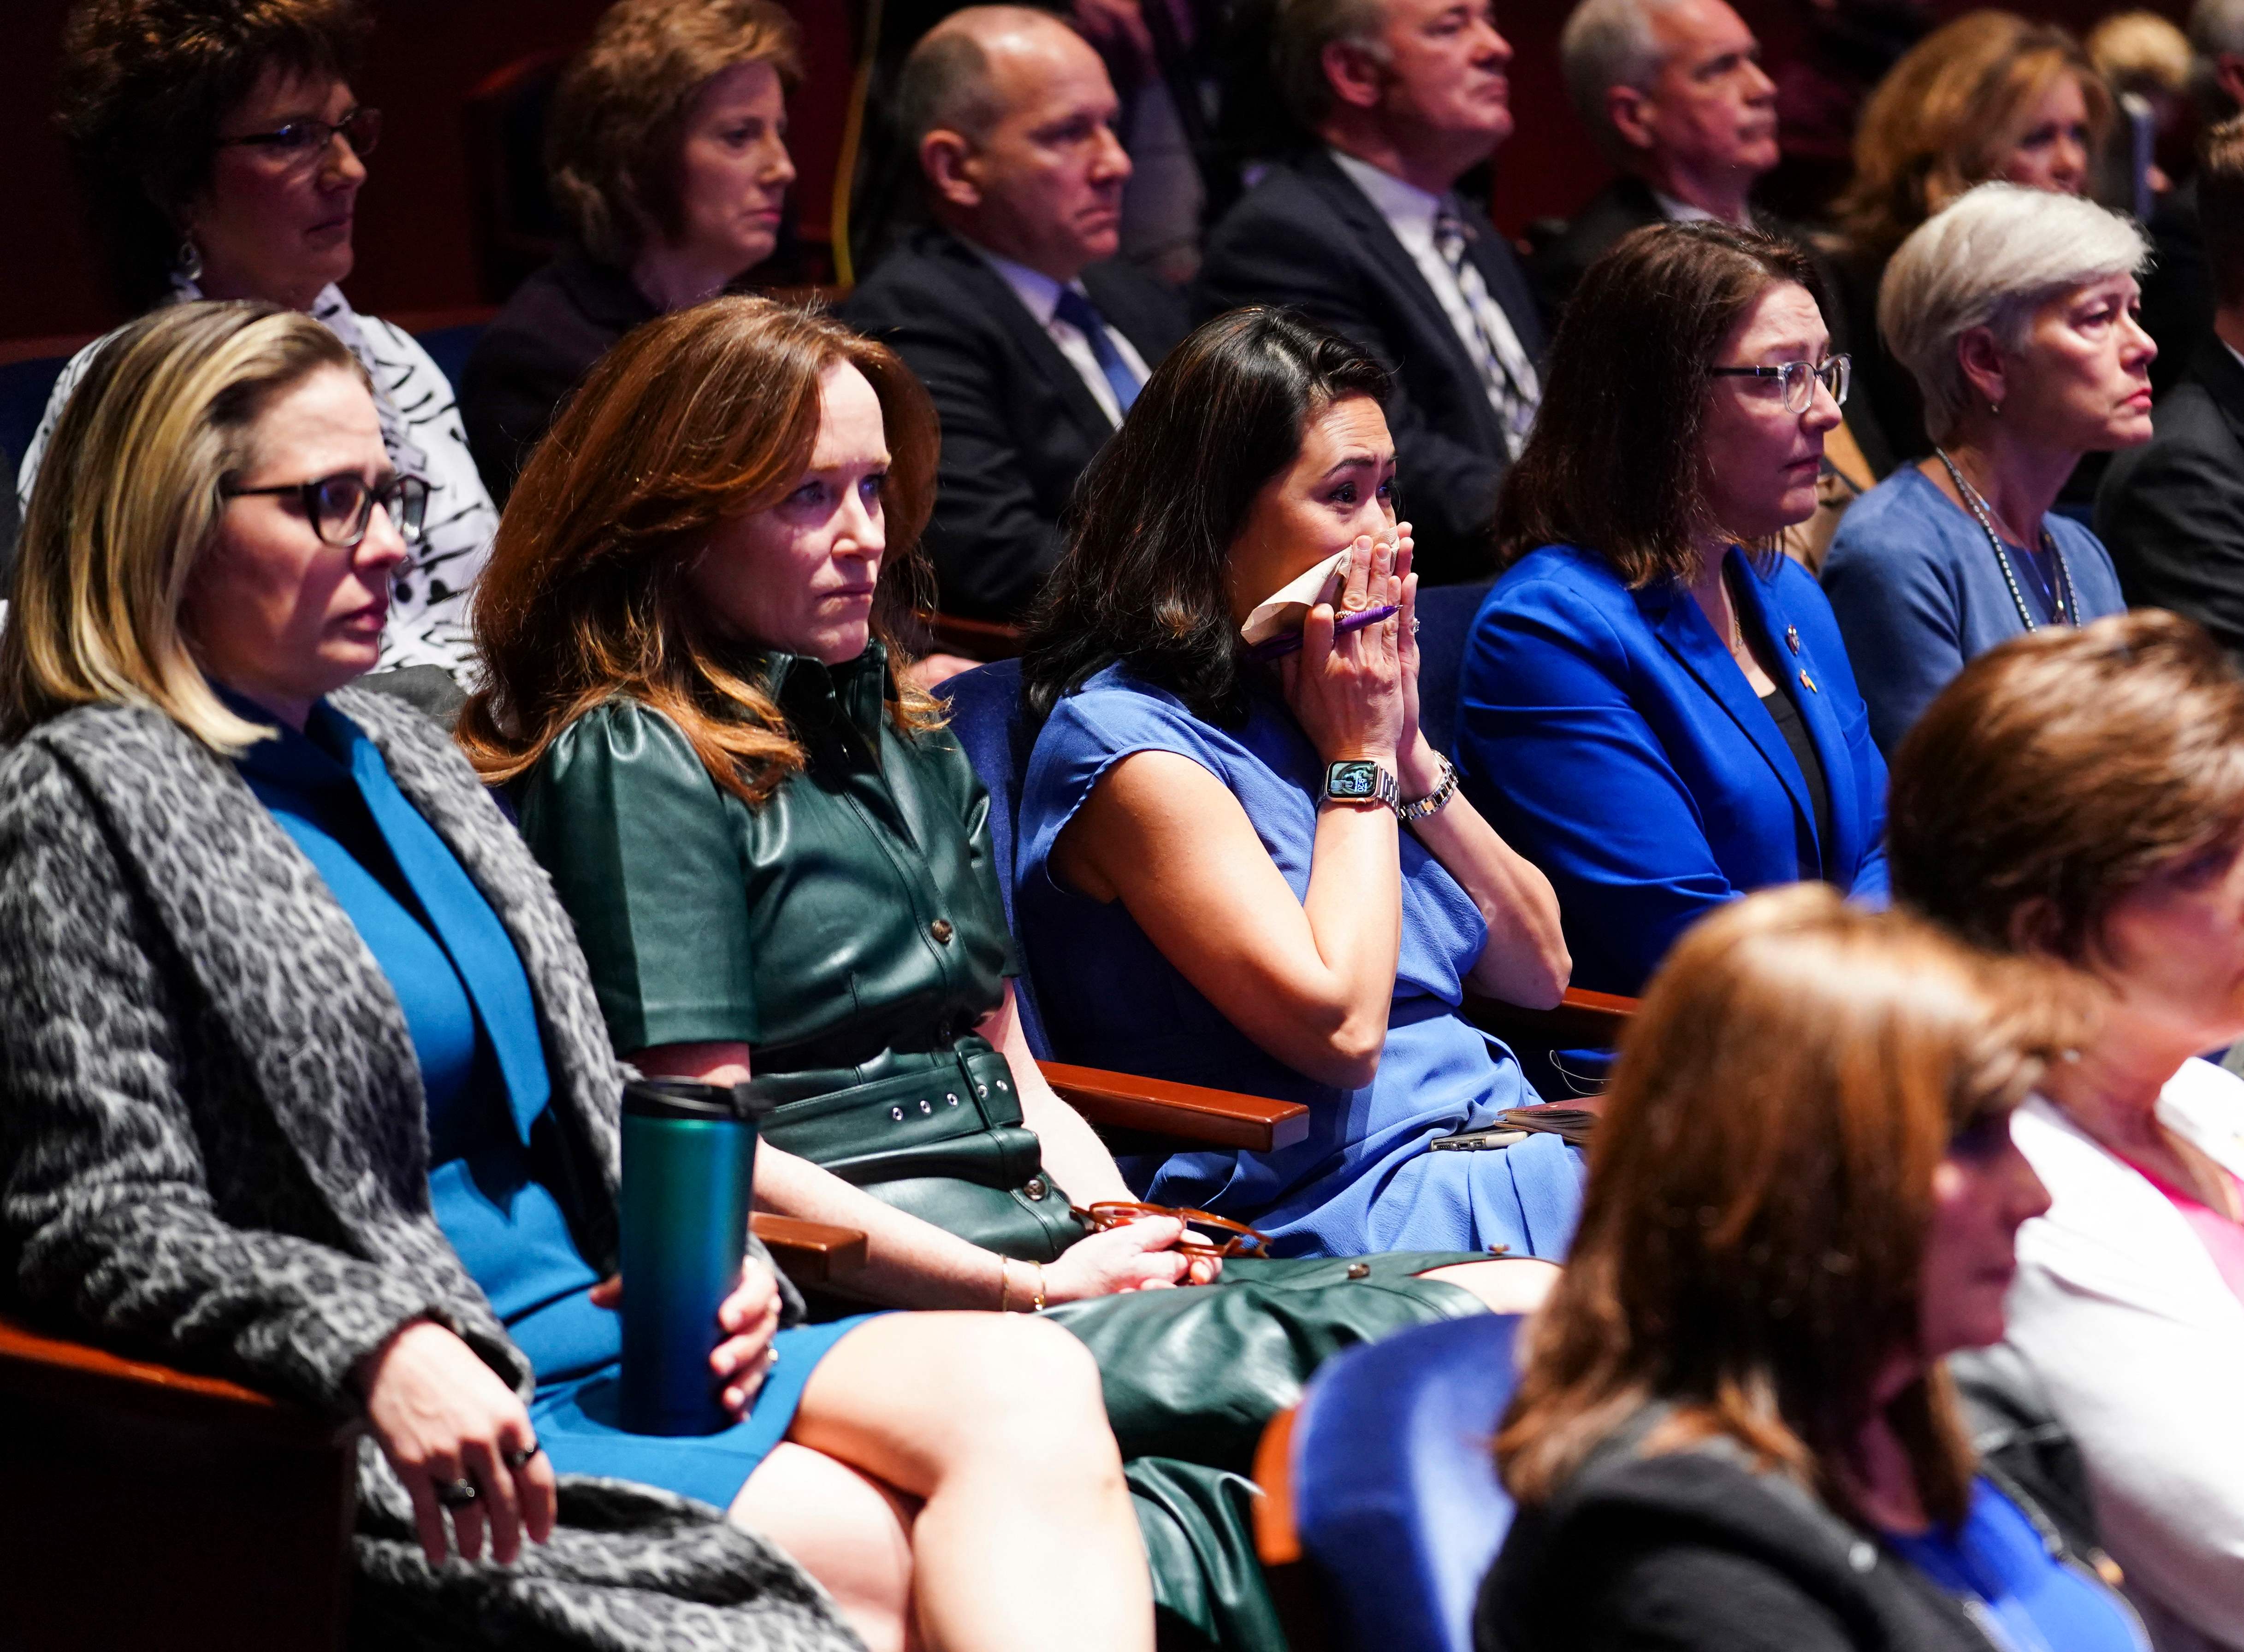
<point x="1657" y="717"/>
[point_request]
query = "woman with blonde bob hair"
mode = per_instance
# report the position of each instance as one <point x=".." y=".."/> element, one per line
<point x="2015" y="311"/>
<point x="666" y="156"/>
<point x="1734" y="1428"/>
<point x="1989" y="96"/>
<point x="307" y="1086"/>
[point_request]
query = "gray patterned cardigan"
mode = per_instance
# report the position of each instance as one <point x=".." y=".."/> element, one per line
<point x="213" y="1149"/>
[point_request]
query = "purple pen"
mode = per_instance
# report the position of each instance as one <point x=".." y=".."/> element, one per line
<point x="1278" y="647"/>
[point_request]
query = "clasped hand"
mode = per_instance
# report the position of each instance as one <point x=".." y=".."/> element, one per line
<point x="1355" y="693"/>
<point x="443" y="1417"/>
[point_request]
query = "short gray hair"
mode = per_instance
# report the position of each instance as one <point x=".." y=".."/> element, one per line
<point x="1992" y="259"/>
<point x="945" y="84"/>
<point x="1607" y="43"/>
<point x="1303" y="29"/>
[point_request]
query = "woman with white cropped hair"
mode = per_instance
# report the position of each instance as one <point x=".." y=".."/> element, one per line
<point x="2015" y="311"/>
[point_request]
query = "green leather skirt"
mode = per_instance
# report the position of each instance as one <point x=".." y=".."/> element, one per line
<point x="1191" y="1375"/>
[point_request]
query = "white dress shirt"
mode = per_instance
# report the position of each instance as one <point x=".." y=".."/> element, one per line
<point x="1040" y="295"/>
<point x="2139" y="1343"/>
<point x="1410" y="213"/>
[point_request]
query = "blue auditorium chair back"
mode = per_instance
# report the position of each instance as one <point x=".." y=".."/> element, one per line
<point x="1395" y="1491"/>
<point x="1445" y="618"/>
<point x="991" y="724"/>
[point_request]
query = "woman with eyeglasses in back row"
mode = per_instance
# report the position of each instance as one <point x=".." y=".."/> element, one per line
<point x="221" y="150"/>
<point x="1656" y="706"/>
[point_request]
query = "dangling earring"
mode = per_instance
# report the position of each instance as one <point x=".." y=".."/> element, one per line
<point x="1994" y="410"/>
<point x="189" y="264"/>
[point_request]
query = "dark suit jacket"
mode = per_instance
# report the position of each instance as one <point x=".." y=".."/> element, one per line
<point x="2178" y="289"/>
<point x="1624" y="204"/>
<point x="544" y="340"/>
<point x="1306" y="236"/>
<point x="1018" y="422"/>
<point x="2171" y="511"/>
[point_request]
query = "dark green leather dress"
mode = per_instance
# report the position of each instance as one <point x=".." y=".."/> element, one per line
<point x="850" y="931"/>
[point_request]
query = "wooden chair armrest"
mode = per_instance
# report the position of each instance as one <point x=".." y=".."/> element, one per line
<point x="34" y="1362"/>
<point x="1277" y="1540"/>
<point x="811" y="1252"/>
<point x="981" y="639"/>
<point x="1582" y="1020"/>
<point x="1183" y="1112"/>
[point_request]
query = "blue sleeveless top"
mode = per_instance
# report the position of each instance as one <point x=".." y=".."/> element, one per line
<point x="1997" y="1566"/>
<point x="1362" y="1180"/>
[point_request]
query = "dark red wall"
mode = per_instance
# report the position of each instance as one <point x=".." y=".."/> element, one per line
<point x="413" y="239"/>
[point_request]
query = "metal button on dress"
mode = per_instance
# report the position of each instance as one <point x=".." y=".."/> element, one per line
<point x="897" y="1114"/>
<point x="941" y="930"/>
<point x="925" y="1105"/>
<point x="1035" y="1187"/>
<point x="1864" y="1556"/>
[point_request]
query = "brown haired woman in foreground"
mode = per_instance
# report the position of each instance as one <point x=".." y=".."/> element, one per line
<point x="306" y="1084"/>
<point x="1733" y="1430"/>
<point x="2080" y="795"/>
<point x="778" y="864"/>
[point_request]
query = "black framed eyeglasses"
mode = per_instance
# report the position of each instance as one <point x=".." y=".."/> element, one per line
<point x="1800" y="377"/>
<point x="340" y="506"/>
<point x="301" y="140"/>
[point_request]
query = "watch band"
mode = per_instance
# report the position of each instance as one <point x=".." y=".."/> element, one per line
<point x="1361" y="780"/>
<point x="1435" y="801"/>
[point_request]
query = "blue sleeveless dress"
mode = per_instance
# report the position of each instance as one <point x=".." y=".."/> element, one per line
<point x="491" y="1179"/>
<point x="1363" y="1180"/>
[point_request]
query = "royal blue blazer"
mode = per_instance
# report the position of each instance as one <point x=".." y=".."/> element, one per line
<point x="1608" y="735"/>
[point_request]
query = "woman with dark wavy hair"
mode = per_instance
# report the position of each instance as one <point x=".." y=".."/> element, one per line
<point x="1260" y="875"/>
<point x="221" y="150"/>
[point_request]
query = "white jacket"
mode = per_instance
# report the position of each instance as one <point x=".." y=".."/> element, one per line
<point x="2140" y="1344"/>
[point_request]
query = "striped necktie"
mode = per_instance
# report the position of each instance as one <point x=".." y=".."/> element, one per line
<point x="1513" y="388"/>
<point x="1081" y="313"/>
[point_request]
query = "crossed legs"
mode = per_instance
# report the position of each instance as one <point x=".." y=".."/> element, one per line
<point x="950" y="1479"/>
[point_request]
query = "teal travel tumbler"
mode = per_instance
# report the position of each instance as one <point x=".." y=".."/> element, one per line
<point x="689" y="1166"/>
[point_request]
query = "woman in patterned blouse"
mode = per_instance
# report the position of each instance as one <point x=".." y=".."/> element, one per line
<point x="222" y="151"/>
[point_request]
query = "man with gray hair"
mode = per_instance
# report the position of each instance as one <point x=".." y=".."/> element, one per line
<point x="1673" y="92"/>
<point x="1366" y="234"/>
<point x="1011" y="308"/>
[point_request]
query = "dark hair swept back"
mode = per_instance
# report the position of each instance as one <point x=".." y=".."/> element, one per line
<point x="1616" y="462"/>
<point x="143" y="87"/>
<point x="1152" y="523"/>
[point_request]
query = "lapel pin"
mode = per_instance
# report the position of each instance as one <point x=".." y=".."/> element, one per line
<point x="1792" y="638"/>
<point x="1807" y="682"/>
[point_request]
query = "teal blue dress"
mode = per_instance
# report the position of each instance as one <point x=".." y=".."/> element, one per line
<point x="493" y="1150"/>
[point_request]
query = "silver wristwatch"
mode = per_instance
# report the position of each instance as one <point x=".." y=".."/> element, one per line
<point x="1361" y="780"/>
<point x="1435" y="801"/>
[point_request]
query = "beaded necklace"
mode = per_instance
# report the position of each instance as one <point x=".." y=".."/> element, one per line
<point x="2064" y="605"/>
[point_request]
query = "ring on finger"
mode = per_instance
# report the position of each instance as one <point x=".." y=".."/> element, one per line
<point x="456" y="1494"/>
<point x="517" y="1458"/>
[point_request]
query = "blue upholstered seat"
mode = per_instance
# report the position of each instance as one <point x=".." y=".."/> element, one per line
<point x="1445" y="618"/>
<point x="1395" y="1495"/>
<point x="987" y="716"/>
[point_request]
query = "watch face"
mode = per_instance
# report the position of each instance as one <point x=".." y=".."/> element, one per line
<point x="1353" y="781"/>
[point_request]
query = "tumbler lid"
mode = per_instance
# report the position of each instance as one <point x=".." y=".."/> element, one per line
<point x="685" y="1098"/>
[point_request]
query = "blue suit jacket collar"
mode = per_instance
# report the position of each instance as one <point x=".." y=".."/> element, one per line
<point x="1683" y="630"/>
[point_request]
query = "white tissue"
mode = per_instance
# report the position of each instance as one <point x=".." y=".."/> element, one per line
<point x="1286" y="608"/>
